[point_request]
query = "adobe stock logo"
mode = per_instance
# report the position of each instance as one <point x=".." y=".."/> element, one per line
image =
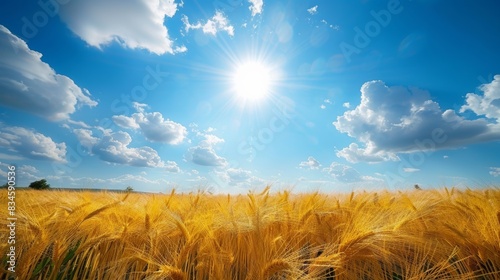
<point x="363" y="37"/>
<point x="49" y="9"/>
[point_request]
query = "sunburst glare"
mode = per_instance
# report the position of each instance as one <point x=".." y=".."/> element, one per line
<point x="252" y="81"/>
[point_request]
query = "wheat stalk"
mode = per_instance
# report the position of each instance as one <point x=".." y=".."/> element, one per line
<point x="274" y="267"/>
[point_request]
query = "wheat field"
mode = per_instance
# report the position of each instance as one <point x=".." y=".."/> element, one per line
<point x="418" y="234"/>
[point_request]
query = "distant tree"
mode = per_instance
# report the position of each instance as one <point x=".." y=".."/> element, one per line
<point x="129" y="189"/>
<point x="40" y="185"/>
<point x="417" y="187"/>
<point x="4" y="186"/>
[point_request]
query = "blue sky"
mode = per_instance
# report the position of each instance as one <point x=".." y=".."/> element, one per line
<point x="233" y="95"/>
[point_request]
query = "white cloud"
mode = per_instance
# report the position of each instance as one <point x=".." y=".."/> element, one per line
<point x="346" y="105"/>
<point x="113" y="147"/>
<point x="256" y="6"/>
<point x="217" y="23"/>
<point x="9" y="157"/>
<point x="206" y="156"/>
<point x="391" y="120"/>
<point x="28" y="169"/>
<point x="239" y="177"/>
<point x="410" y="170"/>
<point x="326" y="101"/>
<point x="495" y="171"/>
<point x="204" y="153"/>
<point x="487" y="104"/>
<point x="134" y="24"/>
<point x="180" y="49"/>
<point x="29" y="84"/>
<point x="126" y="122"/>
<point x="353" y="153"/>
<point x="78" y="123"/>
<point x="121" y="182"/>
<point x="210" y="130"/>
<point x="157" y="129"/>
<point x="85" y="138"/>
<point x="313" y="10"/>
<point x="334" y="27"/>
<point x="211" y="139"/>
<point x="28" y="172"/>
<point x="348" y="175"/>
<point x="129" y="179"/>
<point x="311" y="163"/>
<point x="171" y="166"/>
<point x="153" y="126"/>
<point x="343" y="173"/>
<point x="31" y="144"/>
<point x="3" y="166"/>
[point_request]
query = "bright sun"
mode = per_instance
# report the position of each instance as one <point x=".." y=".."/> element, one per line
<point x="252" y="81"/>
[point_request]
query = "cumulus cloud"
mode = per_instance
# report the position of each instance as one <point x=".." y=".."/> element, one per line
<point x="24" y="172"/>
<point x="239" y="177"/>
<point x="171" y="166"/>
<point x="343" y="173"/>
<point x="31" y="144"/>
<point x="85" y="138"/>
<point x="126" y="122"/>
<point x="153" y="126"/>
<point x="217" y="23"/>
<point x="353" y="153"/>
<point x="29" y="84"/>
<point x="133" y="24"/>
<point x="256" y="6"/>
<point x="487" y="104"/>
<point x="28" y="169"/>
<point x="347" y="174"/>
<point x="391" y="120"/>
<point x="211" y="139"/>
<point x="113" y="147"/>
<point x="495" y="171"/>
<point x="204" y="153"/>
<point x="313" y="10"/>
<point x="28" y="172"/>
<point x="310" y="163"/>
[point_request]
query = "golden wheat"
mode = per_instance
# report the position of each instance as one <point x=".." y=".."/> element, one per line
<point x="419" y="234"/>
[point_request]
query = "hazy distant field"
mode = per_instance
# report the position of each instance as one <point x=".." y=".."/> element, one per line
<point x="420" y="234"/>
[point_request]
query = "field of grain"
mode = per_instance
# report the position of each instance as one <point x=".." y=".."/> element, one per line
<point x="418" y="234"/>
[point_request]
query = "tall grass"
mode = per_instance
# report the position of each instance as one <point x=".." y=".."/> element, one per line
<point x="419" y="234"/>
